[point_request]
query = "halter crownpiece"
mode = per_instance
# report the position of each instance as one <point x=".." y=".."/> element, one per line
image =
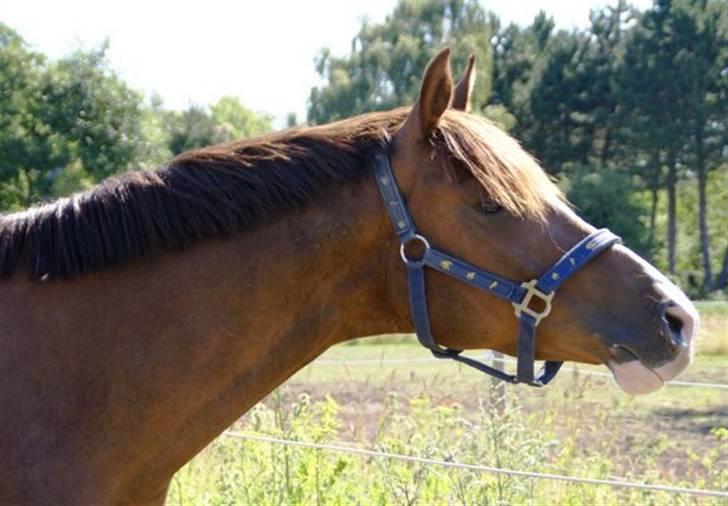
<point x="519" y="294"/>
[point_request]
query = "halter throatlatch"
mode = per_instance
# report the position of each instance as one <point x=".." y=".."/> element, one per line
<point x="521" y="295"/>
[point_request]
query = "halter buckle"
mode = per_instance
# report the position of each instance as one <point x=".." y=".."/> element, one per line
<point x="531" y="291"/>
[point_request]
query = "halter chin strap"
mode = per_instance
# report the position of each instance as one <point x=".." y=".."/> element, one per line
<point x="521" y="295"/>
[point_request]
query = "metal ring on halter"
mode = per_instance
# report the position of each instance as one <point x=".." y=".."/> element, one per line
<point x="409" y="261"/>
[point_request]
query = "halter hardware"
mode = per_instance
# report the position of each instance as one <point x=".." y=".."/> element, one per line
<point x="523" y="307"/>
<point x="521" y="295"/>
<point x="403" y="253"/>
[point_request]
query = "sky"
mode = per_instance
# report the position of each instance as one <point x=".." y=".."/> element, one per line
<point x="261" y="51"/>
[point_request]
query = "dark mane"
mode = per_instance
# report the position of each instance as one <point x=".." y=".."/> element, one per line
<point x="211" y="192"/>
<point x="228" y="188"/>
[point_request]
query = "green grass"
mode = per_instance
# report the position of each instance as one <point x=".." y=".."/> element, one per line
<point x="582" y="425"/>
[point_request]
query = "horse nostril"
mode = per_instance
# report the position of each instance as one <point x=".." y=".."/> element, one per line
<point x="679" y="318"/>
<point x="674" y="326"/>
<point x="674" y="322"/>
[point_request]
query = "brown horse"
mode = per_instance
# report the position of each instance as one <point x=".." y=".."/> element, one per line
<point x="143" y="317"/>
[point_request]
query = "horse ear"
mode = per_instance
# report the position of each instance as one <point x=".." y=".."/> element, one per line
<point x="435" y="96"/>
<point x="464" y="87"/>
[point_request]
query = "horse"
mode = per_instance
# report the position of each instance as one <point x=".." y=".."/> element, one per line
<point x="142" y="317"/>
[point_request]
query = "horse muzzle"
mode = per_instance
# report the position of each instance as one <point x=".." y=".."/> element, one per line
<point x="677" y="329"/>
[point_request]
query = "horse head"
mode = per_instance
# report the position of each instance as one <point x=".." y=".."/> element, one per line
<point x="476" y="194"/>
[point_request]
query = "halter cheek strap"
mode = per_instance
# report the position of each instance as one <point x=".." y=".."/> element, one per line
<point x="521" y="295"/>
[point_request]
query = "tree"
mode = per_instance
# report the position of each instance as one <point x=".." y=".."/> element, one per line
<point x="190" y="129"/>
<point x="555" y="131"/>
<point x="701" y="33"/>
<point x="674" y="98"/>
<point x="722" y="280"/>
<point x="386" y="63"/>
<point x="604" y="198"/>
<point x="234" y="121"/>
<point x="518" y="62"/>
<point x="653" y="98"/>
<point x="643" y="144"/>
<point x="20" y="148"/>
<point x="93" y="116"/>
<point x="291" y="120"/>
<point x="228" y="120"/>
<point x="599" y="98"/>
<point x="155" y="134"/>
<point x="72" y="114"/>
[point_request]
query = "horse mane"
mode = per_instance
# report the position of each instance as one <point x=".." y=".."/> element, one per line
<point x="223" y="189"/>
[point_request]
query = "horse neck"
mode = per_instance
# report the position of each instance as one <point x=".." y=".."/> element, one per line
<point x="190" y="341"/>
<point x="288" y="292"/>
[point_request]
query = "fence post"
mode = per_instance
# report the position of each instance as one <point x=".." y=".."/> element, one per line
<point x="497" y="387"/>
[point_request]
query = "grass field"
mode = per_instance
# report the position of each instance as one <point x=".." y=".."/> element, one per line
<point x="582" y="425"/>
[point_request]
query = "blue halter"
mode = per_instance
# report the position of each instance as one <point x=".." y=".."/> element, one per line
<point x="520" y="295"/>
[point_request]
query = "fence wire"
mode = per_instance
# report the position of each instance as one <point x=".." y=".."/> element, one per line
<point x="617" y="483"/>
<point x="392" y="361"/>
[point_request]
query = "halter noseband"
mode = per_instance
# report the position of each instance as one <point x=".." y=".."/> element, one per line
<point x="519" y="294"/>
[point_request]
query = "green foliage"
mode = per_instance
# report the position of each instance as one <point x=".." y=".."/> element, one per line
<point x="560" y="86"/>
<point x="640" y="97"/>
<point x="579" y="426"/>
<point x="562" y="439"/>
<point x="517" y="61"/>
<point x="689" y="268"/>
<point x="605" y="198"/>
<point x="673" y="108"/>
<point x="156" y="135"/>
<point x="388" y="59"/>
<point x="190" y="129"/>
<point x="91" y="115"/>
<point x="237" y="122"/>
<point x="67" y="124"/>
<point x="72" y="178"/>
<point x="227" y="120"/>
<point x="554" y="106"/>
<point x="72" y="115"/>
<point x="20" y="129"/>
<point x="16" y="192"/>
<point x="20" y="70"/>
<point x="293" y="475"/>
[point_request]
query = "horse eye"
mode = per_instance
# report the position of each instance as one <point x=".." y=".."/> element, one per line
<point x="487" y="206"/>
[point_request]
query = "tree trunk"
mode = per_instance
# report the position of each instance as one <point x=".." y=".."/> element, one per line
<point x="671" y="211"/>
<point x="654" y="193"/>
<point x="586" y="144"/>
<point x="653" y="215"/>
<point x="28" y="195"/>
<point x="702" y="211"/>
<point x="607" y="142"/>
<point x="722" y="280"/>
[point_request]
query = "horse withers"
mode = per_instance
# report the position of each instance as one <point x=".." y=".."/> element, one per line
<point x="142" y="317"/>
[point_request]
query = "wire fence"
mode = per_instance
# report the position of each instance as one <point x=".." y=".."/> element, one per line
<point x="395" y="361"/>
<point x="616" y="483"/>
<point x="610" y="482"/>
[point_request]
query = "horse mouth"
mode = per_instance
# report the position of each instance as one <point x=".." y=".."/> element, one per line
<point x="631" y="374"/>
<point x="621" y="353"/>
